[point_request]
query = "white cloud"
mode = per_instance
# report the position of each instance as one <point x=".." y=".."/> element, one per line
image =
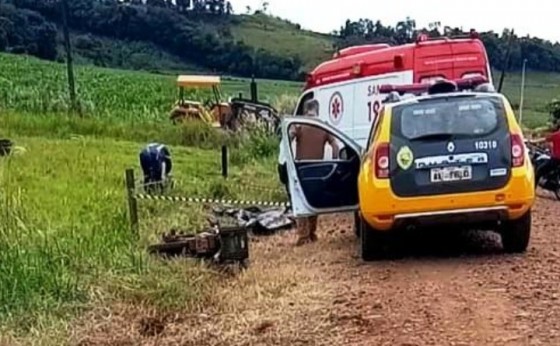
<point x="536" y="18"/>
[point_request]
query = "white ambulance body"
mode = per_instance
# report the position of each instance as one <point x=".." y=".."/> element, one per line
<point x="347" y="87"/>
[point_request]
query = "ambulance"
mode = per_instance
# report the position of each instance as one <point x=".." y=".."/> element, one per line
<point x="349" y="86"/>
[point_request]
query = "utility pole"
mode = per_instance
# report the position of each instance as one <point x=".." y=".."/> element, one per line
<point x="522" y="91"/>
<point x="506" y="60"/>
<point x="69" y="61"/>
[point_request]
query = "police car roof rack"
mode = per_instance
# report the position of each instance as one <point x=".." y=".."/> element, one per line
<point x="437" y="87"/>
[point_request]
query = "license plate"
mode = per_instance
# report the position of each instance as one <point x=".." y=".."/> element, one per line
<point x="446" y="174"/>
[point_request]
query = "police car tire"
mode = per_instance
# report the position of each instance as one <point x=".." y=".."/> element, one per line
<point x="516" y="234"/>
<point x="373" y="243"/>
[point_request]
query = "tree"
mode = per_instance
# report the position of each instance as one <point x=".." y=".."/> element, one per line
<point x="3" y="40"/>
<point x="553" y="109"/>
<point x="156" y="3"/>
<point x="405" y="31"/>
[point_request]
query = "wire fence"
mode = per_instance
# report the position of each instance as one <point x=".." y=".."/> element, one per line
<point x="138" y="190"/>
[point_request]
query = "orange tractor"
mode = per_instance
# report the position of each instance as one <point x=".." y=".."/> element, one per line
<point x="214" y="112"/>
<point x="232" y="115"/>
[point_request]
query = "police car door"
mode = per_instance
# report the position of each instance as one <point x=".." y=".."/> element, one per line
<point x="326" y="185"/>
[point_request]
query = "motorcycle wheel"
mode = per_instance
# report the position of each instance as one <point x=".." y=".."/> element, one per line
<point x="556" y="178"/>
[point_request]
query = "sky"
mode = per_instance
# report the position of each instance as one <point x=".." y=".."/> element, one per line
<point x="536" y="18"/>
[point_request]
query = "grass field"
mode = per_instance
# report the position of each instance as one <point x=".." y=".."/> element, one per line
<point x="65" y="235"/>
<point x="288" y="39"/>
<point x="33" y="86"/>
<point x="64" y="232"/>
<point x="30" y="85"/>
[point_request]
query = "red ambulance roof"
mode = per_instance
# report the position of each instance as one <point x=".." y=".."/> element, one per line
<point x="423" y="57"/>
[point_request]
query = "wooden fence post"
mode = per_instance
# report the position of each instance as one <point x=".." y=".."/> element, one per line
<point x="132" y="203"/>
<point x="224" y="161"/>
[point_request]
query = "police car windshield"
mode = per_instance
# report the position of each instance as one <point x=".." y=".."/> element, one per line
<point x="446" y="117"/>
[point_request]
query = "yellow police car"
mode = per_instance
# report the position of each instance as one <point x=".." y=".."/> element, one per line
<point x="448" y="157"/>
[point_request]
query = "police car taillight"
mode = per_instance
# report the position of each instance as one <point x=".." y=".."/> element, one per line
<point x="381" y="161"/>
<point x="517" y="150"/>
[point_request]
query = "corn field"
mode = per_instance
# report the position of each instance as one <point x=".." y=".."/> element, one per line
<point x="33" y="86"/>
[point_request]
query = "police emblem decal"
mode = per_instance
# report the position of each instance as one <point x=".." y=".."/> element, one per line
<point x="450" y="147"/>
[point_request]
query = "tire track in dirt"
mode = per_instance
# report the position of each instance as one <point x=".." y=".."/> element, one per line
<point x="480" y="299"/>
<point x="450" y="289"/>
<point x="422" y="302"/>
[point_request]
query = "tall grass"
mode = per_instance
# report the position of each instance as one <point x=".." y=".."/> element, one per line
<point x="64" y="230"/>
<point x="46" y="265"/>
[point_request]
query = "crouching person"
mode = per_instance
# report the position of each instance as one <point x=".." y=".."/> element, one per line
<point x="155" y="160"/>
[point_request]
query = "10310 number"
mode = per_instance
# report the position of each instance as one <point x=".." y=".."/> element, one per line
<point x="485" y="145"/>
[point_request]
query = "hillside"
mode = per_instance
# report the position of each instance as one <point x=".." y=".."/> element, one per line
<point x="282" y="37"/>
<point x="274" y="35"/>
<point x="165" y="37"/>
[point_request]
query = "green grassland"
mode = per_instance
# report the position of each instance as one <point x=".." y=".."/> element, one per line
<point x="64" y="231"/>
<point x="31" y="85"/>
<point x="540" y="89"/>
<point x="283" y="38"/>
<point x="66" y="240"/>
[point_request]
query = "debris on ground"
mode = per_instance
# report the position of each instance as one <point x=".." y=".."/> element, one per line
<point x="5" y="146"/>
<point x="222" y="245"/>
<point x="261" y="221"/>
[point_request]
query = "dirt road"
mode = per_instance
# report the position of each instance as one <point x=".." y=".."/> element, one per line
<point x="449" y="290"/>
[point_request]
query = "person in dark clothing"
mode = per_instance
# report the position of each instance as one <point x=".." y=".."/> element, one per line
<point x="156" y="163"/>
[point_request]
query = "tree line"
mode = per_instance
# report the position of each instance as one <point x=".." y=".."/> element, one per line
<point x="199" y="32"/>
<point x="541" y="55"/>
<point x="178" y="27"/>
